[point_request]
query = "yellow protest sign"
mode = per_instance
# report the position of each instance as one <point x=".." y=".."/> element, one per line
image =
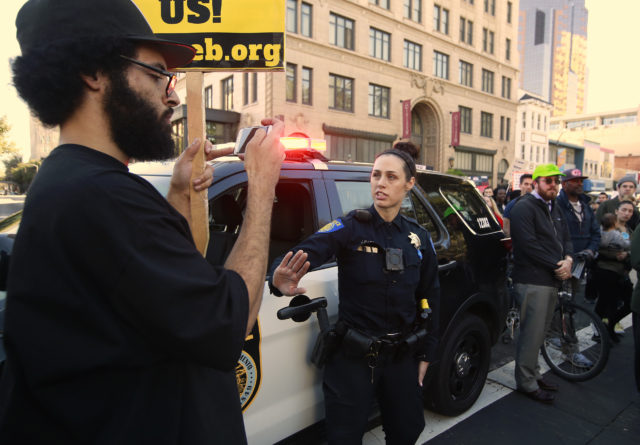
<point x="227" y="34"/>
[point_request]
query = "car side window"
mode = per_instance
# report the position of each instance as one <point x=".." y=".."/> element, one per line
<point x="465" y="199"/>
<point x="292" y="220"/>
<point x="421" y="214"/>
<point x="353" y="195"/>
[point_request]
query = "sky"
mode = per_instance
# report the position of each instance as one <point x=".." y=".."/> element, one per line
<point x="611" y="61"/>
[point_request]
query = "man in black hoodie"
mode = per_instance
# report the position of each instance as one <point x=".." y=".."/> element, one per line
<point x="542" y="259"/>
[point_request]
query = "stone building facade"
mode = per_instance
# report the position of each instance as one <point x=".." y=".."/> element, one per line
<point x="350" y="64"/>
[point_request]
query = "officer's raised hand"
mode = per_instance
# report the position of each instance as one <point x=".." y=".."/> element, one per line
<point x="288" y="274"/>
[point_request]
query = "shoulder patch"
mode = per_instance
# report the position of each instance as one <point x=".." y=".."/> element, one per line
<point x="333" y="226"/>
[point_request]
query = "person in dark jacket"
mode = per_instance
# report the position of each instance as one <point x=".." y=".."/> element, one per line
<point x="627" y="186"/>
<point x="635" y="304"/>
<point x="542" y="254"/>
<point x="583" y="224"/>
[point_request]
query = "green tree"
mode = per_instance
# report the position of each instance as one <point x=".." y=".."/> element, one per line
<point x="23" y="173"/>
<point x="7" y="148"/>
<point x="9" y="153"/>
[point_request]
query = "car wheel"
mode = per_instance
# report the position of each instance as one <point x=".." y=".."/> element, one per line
<point x="462" y="371"/>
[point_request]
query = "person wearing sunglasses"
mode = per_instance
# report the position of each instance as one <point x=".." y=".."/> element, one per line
<point x="117" y="330"/>
<point x="542" y="253"/>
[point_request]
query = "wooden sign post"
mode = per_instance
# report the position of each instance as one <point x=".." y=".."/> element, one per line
<point x="227" y="36"/>
<point x="196" y="129"/>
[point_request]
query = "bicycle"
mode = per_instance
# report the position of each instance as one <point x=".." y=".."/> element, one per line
<point x="576" y="346"/>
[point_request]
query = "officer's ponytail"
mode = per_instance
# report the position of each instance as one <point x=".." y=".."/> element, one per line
<point x="406" y="151"/>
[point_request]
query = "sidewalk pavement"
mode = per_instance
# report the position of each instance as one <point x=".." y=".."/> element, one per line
<point x="602" y="411"/>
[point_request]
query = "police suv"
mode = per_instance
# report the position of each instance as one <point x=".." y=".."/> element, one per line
<point x="280" y="389"/>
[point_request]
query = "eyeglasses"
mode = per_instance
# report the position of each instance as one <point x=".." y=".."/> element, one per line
<point x="173" y="79"/>
<point x="551" y="180"/>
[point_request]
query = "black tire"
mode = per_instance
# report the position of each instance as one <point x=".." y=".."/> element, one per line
<point x="591" y="340"/>
<point x="461" y="373"/>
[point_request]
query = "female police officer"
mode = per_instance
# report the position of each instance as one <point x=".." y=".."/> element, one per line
<point x="386" y="267"/>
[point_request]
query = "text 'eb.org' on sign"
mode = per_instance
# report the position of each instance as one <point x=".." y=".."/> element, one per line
<point x="227" y="34"/>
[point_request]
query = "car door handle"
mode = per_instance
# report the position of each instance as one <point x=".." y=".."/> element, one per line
<point x="447" y="266"/>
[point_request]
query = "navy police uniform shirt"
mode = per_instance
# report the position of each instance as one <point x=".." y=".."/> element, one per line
<point x="372" y="299"/>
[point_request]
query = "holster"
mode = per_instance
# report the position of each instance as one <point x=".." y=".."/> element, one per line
<point x="356" y="344"/>
<point x="326" y="345"/>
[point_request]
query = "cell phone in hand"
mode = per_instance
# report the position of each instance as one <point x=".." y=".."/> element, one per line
<point x="245" y="135"/>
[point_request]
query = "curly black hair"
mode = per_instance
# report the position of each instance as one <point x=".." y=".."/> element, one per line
<point x="48" y="78"/>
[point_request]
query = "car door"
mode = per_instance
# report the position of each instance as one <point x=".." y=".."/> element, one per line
<point x="280" y="389"/>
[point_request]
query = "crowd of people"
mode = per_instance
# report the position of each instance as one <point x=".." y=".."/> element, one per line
<point x="552" y="221"/>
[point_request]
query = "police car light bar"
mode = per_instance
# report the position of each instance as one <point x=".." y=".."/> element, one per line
<point x="297" y="143"/>
<point x="290" y="143"/>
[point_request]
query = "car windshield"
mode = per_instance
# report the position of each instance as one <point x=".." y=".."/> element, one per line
<point x="160" y="182"/>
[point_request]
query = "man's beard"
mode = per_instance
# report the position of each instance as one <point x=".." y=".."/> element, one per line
<point x="135" y="125"/>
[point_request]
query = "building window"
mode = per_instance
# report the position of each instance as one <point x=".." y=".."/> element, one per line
<point x="413" y="10"/>
<point x="466" y="74"/>
<point x="227" y="93"/>
<point x="177" y="134"/>
<point x="524" y="119"/>
<point x="378" y="101"/>
<point x="440" y="19"/>
<point x="503" y="166"/>
<point x="306" y="20"/>
<point x="245" y="88"/>
<point x="507" y="49"/>
<point x="539" y="122"/>
<point x="292" y="15"/>
<point x="412" y="56"/>
<point x="522" y="150"/>
<point x="509" y="11"/>
<point x="466" y="31"/>
<point x="307" y="84"/>
<point x="487" y="40"/>
<point x="382" y="3"/>
<point x="506" y="87"/>
<point x="486" y="124"/>
<point x="505" y="128"/>
<point x="465" y="119"/>
<point x="292" y="72"/>
<point x="379" y="42"/>
<point x="208" y="97"/>
<point x="341" y="31"/>
<point x="474" y="163"/>
<point x="440" y="65"/>
<point x="305" y="17"/>
<point x="254" y="90"/>
<point x="340" y="93"/>
<point x="490" y="7"/>
<point x="538" y="38"/>
<point x="487" y="81"/>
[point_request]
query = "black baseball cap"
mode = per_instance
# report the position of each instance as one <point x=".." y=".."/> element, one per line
<point x="573" y="173"/>
<point x="40" y="22"/>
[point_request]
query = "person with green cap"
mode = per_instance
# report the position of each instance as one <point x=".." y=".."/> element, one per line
<point x="542" y="253"/>
<point x="117" y="330"/>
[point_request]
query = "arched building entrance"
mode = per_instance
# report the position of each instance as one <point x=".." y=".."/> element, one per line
<point x="426" y="127"/>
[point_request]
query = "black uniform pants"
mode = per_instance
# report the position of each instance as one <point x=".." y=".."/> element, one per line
<point x="349" y="396"/>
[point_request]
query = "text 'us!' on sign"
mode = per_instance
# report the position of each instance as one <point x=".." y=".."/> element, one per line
<point x="227" y="34"/>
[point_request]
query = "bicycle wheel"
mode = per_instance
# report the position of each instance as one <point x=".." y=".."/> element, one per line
<point x="576" y="346"/>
